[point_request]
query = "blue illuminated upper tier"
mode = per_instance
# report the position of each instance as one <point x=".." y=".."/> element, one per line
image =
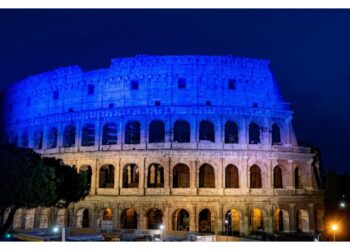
<point x="141" y="81"/>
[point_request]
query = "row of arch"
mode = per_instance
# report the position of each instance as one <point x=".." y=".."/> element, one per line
<point x="180" y="220"/>
<point x="182" y="134"/>
<point x="181" y="176"/>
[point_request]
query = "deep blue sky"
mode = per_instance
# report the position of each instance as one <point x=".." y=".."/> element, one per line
<point x="309" y="52"/>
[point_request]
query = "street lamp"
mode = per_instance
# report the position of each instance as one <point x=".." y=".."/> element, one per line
<point x="162" y="228"/>
<point x="56" y="229"/>
<point x="342" y="204"/>
<point x="334" y="228"/>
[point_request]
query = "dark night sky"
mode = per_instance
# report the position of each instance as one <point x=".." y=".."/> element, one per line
<point x="309" y="52"/>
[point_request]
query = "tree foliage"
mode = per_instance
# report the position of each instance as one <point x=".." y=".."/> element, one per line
<point x="27" y="181"/>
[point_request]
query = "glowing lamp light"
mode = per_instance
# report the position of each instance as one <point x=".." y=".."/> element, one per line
<point x="161" y="226"/>
<point x="8" y="236"/>
<point x="55" y="229"/>
<point x="334" y="227"/>
<point x="342" y="204"/>
<point x="226" y="221"/>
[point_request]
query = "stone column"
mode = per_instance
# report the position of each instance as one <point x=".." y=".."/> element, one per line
<point x="117" y="182"/>
<point x="94" y="178"/>
<point x="245" y="224"/>
<point x="193" y="223"/>
<point x="78" y="134"/>
<point x="311" y="218"/>
<point x="37" y="216"/>
<point x="116" y="216"/>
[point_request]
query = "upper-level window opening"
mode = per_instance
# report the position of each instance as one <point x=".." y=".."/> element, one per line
<point x="28" y="101"/>
<point x="157" y="103"/>
<point x="231" y="84"/>
<point x="111" y="105"/>
<point x="135" y="85"/>
<point x="70" y="110"/>
<point x="255" y="105"/>
<point x="55" y="95"/>
<point x="207" y="103"/>
<point x="181" y="83"/>
<point x="276" y="135"/>
<point x="91" y="89"/>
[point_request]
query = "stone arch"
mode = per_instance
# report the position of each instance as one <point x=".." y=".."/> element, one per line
<point x="128" y="219"/>
<point x="131" y="176"/>
<point x="302" y="220"/>
<point x="231" y="132"/>
<point x="29" y="218"/>
<point x="206" y="176"/>
<point x="181" y="176"/>
<point x="154" y="218"/>
<point x="45" y="218"/>
<point x="88" y="135"/>
<point x="156" y="132"/>
<point x="319" y="220"/>
<point x="132" y="132"/>
<point x="182" y="132"/>
<point x="181" y="220"/>
<point x="206" y="131"/>
<point x="255" y="177"/>
<point x="82" y="218"/>
<point x="232" y="222"/>
<point x="254" y="133"/>
<point x="25" y="139"/>
<point x="88" y="171"/>
<point x="276" y="135"/>
<point x="297" y="183"/>
<point x="69" y="136"/>
<point x="204" y="221"/>
<point x="52" y="138"/>
<point x="277" y="177"/>
<point x="231" y="176"/>
<point x="38" y="139"/>
<point x="155" y="176"/>
<point x="62" y="217"/>
<point x="104" y="219"/>
<point x="109" y="134"/>
<point x="256" y="220"/>
<point x="106" y="176"/>
<point x="280" y="220"/>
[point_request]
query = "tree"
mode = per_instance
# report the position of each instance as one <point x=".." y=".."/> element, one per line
<point x="27" y="181"/>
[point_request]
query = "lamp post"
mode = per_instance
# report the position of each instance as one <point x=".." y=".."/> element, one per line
<point x="334" y="228"/>
<point x="162" y="228"/>
<point x="56" y="229"/>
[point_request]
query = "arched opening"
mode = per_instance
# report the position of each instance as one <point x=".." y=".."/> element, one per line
<point x="296" y="178"/>
<point x="62" y="217"/>
<point x="155" y="177"/>
<point x="204" y="221"/>
<point x="104" y="219"/>
<point x="182" y="133"/>
<point x="256" y="220"/>
<point x="109" y="134"/>
<point x="154" y="218"/>
<point x="25" y="139"/>
<point x="206" y="131"/>
<point x="206" y="176"/>
<point x="231" y="177"/>
<point x="132" y="132"/>
<point x="276" y="135"/>
<point x="156" y="132"/>
<point x="45" y="218"/>
<point x="106" y="179"/>
<point x="83" y="218"/>
<point x="231" y="132"/>
<point x="254" y="133"/>
<point x="52" y="138"/>
<point x="130" y="176"/>
<point x="181" y="176"/>
<point x="88" y="135"/>
<point x="29" y="218"/>
<point x="255" y="177"/>
<point x="232" y="222"/>
<point x="38" y="139"/>
<point x="128" y="219"/>
<point x="86" y="169"/>
<point x="281" y="221"/>
<point x="181" y="220"/>
<point x="302" y="220"/>
<point x="319" y="217"/>
<point x="69" y="136"/>
<point x="277" y="177"/>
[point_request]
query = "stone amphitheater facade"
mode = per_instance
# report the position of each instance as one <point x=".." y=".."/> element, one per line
<point x="198" y="143"/>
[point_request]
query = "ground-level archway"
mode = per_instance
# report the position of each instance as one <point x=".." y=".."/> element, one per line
<point x="128" y="219"/>
<point x="204" y="221"/>
<point x="29" y="219"/>
<point x="302" y="220"/>
<point x="45" y="218"/>
<point x="256" y="220"/>
<point x="62" y="217"/>
<point x="280" y="221"/>
<point x="232" y="223"/>
<point x="181" y="220"/>
<point x="104" y="219"/>
<point x="83" y="218"/>
<point x="154" y="218"/>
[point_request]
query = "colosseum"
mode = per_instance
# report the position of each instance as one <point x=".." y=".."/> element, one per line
<point x="188" y="143"/>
